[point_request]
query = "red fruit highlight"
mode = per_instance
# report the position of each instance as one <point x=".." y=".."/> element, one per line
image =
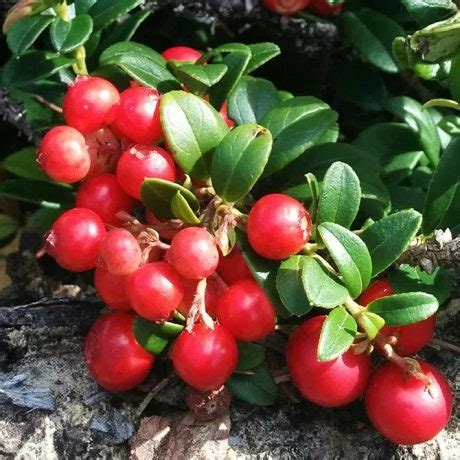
<point x="181" y="54"/>
<point x="112" y="289"/>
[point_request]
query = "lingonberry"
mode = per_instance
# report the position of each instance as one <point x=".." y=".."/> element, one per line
<point x="113" y="356"/>
<point x="286" y="6"/>
<point x="402" y="409"/>
<point x="224" y="114"/>
<point x="193" y="253"/>
<point x="90" y="103"/>
<point x="278" y="226"/>
<point x="155" y="290"/>
<point x="246" y="312"/>
<point x="323" y="8"/>
<point x="205" y="358"/>
<point x="233" y="267"/>
<point x="412" y="337"/>
<point x="63" y="155"/>
<point x="212" y="294"/>
<point x="332" y="383"/>
<point x="140" y="162"/>
<point x="111" y="289"/>
<point x="119" y="252"/>
<point x="74" y="239"/>
<point x="181" y="54"/>
<point x="104" y="195"/>
<point x="104" y="151"/>
<point x="138" y="115"/>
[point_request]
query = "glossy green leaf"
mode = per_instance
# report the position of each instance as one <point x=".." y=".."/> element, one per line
<point x="402" y="309"/>
<point x="350" y="254"/>
<point x="104" y="12"/>
<point x="340" y="196"/>
<point x="322" y="288"/>
<point x="199" y="78"/>
<point x="389" y="237"/>
<point x="83" y="6"/>
<point x="337" y="334"/>
<point x="193" y="129"/>
<point x="181" y="209"/>
<point x="250" y="355"/>
<point x="371" y="323"/>
<point x="8" y="226"/>
<point x="313" y="187"/>
<point x="251" y="99"/>
<point x="69" y="35"/>
<point x="260" y="54"/>
<point x="23" y="33"/>
<point x="239" y="161"/>
<point x="23" y="163"/>
<point x="454" y="78"/>
<point x="155" y="337"/>
<point x="403" y="197"/>
<point x="259" y="389"/>
<point x="401" y="166"/>
<point x="426" y="12"/>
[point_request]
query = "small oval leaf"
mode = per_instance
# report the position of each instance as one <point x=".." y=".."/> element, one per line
<point x="154" y="337"/>
<point x="250" y="355"/>
<point x="198" y="78"/>
<point x="23" y="33"/>
<point x="181" y="208"/>
<point x="69" y="35"/>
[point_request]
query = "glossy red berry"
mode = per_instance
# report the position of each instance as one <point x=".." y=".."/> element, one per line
<point x="119" y="252"/>
<point x="286" y="6"/>
<point x="378" y="289"/>
<point x="138" y="115"/>
<point x="181" y="54"/>
<point x="212" y="295"/>
<point x="193" y="253"/>
<point x="104" y="195"/>
<point x="155" y="290"/>
<point x="74" y="239"/>
<point x="402" y="409"/>
<point x="140" y="162"/>
<point x="278" y="226"/>
<point x="104" y="150"/>
<point x="224" y="114"/>
<point x="323" y="8"/>
<point x="233" y="267"/>
<point x="90" y="103"/>
<point x="112" y="289"/>
<point x="205" y="358"/>
<point x="113" y="356"/>
<point x="63" y="155"/>
<point x="331" y="383"/>
<point x="246" y="312"/>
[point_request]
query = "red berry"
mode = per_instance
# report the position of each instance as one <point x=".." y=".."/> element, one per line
<point x="205" y="358"/>
<point x="332" y="383"/>
<point x="63" y="155"/>
<point x="138" y="115"/>
<point x="286" y="6"/>
<point x="212" y="294"/>
<point x="323" y="8"/>
<point x="104" y="195"/>
<point x="278" y="226"/>
<point x="402" y="409"/>
<point x="246" y="312"/>
<point x="224" y="114"/>
<point x="233" y="267"/>
<point x="90" y="104"/>
<point x="160" y="226"/>
<point x="193" y="253"/>
<point x="155" y="290"/>
<point x="378" y="289"/>
<point x="111" y="289"/>
<point x="181" y="54"/>
<point x="119" y="252"/>
<point x="113" y="356"/>
<point x="74" y="239"/>
<point x="104" y="150"/>
<point x="140" y="162"/>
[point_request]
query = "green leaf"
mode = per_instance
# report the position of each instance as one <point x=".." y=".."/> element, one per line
<point x="199" y="78"/>
<point x="250" y="355"/>
<point x="23" y="33"/>
<point x="401" y="166"/>
<point x="337" y="334"/>
<point x="290" y="286"/>
<point x="141" y="63"/>
<point x="403" y="197"/>
<point x="442" y="204"/>
<point x="372" y="34"/>
<point x="454" y="78"/>
<point x="32" y="66"/>
<point x="83" y="6"/>
<point x="23" y="163"/>
<point x="154" y="337"/>
<point x="104" y="12"/>
<point x="239" y="161"/>
<point x="260" y="54"/>
<point x="340" y="196"/>
<point x="425" y="12"/>
<point x="251" y="99"/>
<point x="181" y="209"/>
<point x="158" y="194"/>
<point x="371" y="323"/>
<point x="8" y="226"/>
<point x="259" y="389"/>
<point x="350" y="255"/>
<point x="389" y="237"/>
<point x="193" y="129"/>
<point x="402" y="309"/>
<point x="313" y="187"/>
<point x="69" y="35"/>
<point x="322" y="288"/>
<point x="42" y="219"/>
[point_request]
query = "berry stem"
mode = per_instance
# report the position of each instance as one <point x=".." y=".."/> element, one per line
<point x="198" y="308"/>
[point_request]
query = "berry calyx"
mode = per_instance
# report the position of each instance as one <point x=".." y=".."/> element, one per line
<point x="332" y="383"/>
<point x="113" y="356"/>
<point x="112" y="289"/>
<point x="286" y="6"/>
<point x="155" y="290"/>
<point x="119" y="252"/>
<point x="402" y="409"/>
<point x="193" y="253"/>
<point x="138" y="115"/>
<point x="205" y="358"/>
<point x="181" y="54"/>
<point x="90" y="103"/>
<point x="63" y="155"/>
<point x="246" y="312"/>
<point x="74" y="239"/>
<point x="278" y="226"/>
<point x="233" y="267"/>
<point x="323" y="8"/>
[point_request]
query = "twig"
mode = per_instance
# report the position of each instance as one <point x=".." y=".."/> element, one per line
<point x="48" y="104"/>
<point x="161" y="385"/>
<point x="438" y="343"/>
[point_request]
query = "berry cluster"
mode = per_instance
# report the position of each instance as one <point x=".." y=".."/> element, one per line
<point x="318" y="7"/>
